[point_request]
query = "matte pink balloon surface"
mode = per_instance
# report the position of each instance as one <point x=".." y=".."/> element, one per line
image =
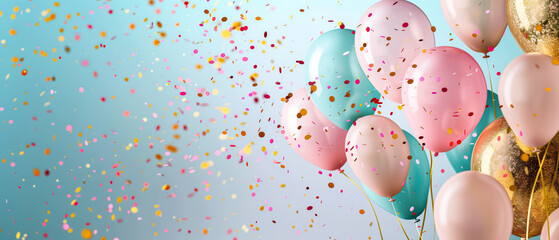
<point x="529" y="92"/>
<point x="379" y="154"/>
<point x="390" y="35"/>
<point x="311" y="134"/>
<point x="444" y="96"/>
<point x="473" y="205"/>
<point x="553" y="227"/>
<point x="480" y="24"/>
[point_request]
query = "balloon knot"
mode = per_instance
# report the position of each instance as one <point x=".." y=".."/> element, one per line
<point x="536" y="150"/>
<point x="340" y="171"/>
<point x="391" y="199"/>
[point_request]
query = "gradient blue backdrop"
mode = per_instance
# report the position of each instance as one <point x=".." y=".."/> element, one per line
<point x="252" y="199"/>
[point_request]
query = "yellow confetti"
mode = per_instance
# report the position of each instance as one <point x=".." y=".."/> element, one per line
<point x="225" y="34"/>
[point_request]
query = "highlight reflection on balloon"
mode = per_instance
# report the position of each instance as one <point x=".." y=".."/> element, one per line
<point x="499" y="153"/>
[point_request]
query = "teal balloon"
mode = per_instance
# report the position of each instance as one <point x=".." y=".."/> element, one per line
<point x="411" y="201"/>
<point x="461" y="156"/>
<point x="335" y="81"/>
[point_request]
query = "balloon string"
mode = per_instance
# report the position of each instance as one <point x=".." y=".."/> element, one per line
<point x="396" y="214"/>
<point x="552" y="187"/>
<point x="431" y="188"/>
<point x="555" y="174"/>
<point x="375" y="212"/>
<point x="545" y="198"/>
<point x="491" y="83"/>
<point x="417" y="227"/>
<point x="424" y="216"/>
<point x="533" y="189"/>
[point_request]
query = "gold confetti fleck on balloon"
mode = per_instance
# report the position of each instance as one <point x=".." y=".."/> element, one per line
<point x="86" y="233"/>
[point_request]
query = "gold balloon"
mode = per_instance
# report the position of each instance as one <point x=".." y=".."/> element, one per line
<point x="499" y="153"/>
<point x="535" y="25"/>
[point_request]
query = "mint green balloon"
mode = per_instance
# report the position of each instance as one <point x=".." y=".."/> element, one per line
<point x="461" y="156"/>
<point x="335" y="81"/>
<point x="411" y="201"/>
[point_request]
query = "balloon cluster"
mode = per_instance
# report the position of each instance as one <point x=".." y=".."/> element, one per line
<point x="392" y="55"/>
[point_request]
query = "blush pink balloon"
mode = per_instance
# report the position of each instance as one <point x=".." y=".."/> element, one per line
<point x="472" y="205"/>
<point x="390" y="35"/>
<point x="529" y="92"/>
<point x="480" y="24"/>
<point x="444" y="96"/>
<point x="379" y="154"/>
<point x="553" y="227"/>
<point x="311" y="134"/>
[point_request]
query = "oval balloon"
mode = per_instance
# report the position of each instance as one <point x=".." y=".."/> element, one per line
<point x="528" y="90"/>
<point x="444" y="97"/>
<point x="472" y="205"/>
<point x="534" y="25"/>
<point x="379" y="154"/>
<point x="411" y="201"/>
<point x="480" y="24"/>
<point x="461" y="156"/>
<point x="336" y="83"/>
<point x="390" y="35"/>
<point x="311" y="134"/>
<point x="551" y="232"/>
<point x="500" y="154"/>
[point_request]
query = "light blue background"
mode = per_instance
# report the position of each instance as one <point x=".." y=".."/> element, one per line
<point x="24" y="198"/>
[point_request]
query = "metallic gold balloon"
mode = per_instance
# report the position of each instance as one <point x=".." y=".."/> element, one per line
<point x="499" y="153"/>
<point x="535" y="25"/>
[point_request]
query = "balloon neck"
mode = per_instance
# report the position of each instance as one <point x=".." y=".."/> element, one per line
<point x="416" y="220"/>
<point x="486" y="56"/>
<point x="391" y="199"/>
<point x="340" y="171"/>
<point x="536" y="150"/>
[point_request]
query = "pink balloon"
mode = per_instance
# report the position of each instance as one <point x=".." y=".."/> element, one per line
<point x="444" y="97"/>
<point x="553" y="227"/>
<point x="472" y="205"/>
<point x="390" y="35"/>
<point x="311" y="134"/>
<point x="529" y="92"/>
<point x="480" y="24"/>
<point x="378" y="153"/>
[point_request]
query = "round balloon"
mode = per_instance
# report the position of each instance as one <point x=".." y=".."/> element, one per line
<point x="411" y="201"/>
<point x="500" y="154"/>
<point x="461" y="156"/>
<point x="379" y="154"/>
<point x="480" y="24"/>
<point x="336" y="83"/>
<point x="551" y="232"/>
<point x="534" y="25"/>
<point x="444" y="97"/>
<point x="528" y="91"/>
<point x="390" y="35"/>
<point x="472" y="205"/>
<point x="311" y="134"/>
